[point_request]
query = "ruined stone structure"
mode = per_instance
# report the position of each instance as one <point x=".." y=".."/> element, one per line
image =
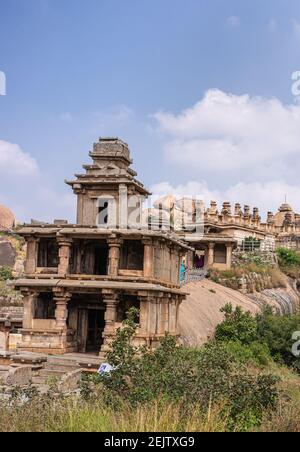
<point x="221" y="231"/>
<point x="81" y="279"/>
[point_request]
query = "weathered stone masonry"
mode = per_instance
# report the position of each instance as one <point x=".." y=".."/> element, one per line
<point x="81" y="279"/>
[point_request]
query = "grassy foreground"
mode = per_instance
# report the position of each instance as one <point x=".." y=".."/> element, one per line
<point x="74" y="414"/>
<point x="246" y="379"/>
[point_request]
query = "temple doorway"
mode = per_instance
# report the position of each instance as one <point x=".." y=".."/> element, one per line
<point x="200" y="259"/>
<point x="96" y="326"/>
<point x="86" y="322"/>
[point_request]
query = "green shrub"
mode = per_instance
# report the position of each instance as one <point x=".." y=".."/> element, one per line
<point x="255" y="353"/>
<point x="287" y="257"/>
<point x="267" y="331"/>
<point x="5" y="273"/>
<point x="276" y="331"/>
<point x="237" y="326"/>
<point x="209" y="375"/>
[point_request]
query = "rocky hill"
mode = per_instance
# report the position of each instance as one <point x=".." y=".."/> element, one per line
<point x="200" y="313"/>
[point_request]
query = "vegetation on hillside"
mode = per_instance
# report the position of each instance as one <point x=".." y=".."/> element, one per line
<point x="261" y="275"/>
<point x="289" y="262"/>
<point x="268" y="334"/>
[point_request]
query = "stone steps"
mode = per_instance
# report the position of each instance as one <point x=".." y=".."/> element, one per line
<point x="62" y="367"/>
<point x="38" y="380"/>
<point x="48" y="373"/>
<point x="60" y="361"/>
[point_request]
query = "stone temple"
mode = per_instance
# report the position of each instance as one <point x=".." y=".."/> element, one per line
<point x="82" y="278"/>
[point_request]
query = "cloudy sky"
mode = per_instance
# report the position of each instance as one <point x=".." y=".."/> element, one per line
<point x="201" y="90"/>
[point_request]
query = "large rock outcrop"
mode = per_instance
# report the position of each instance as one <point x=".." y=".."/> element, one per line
<point x="7" y="219"/>
<point x="200" y="313"/>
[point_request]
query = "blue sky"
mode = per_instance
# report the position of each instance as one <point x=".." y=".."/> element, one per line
<point x="144" y="70"/>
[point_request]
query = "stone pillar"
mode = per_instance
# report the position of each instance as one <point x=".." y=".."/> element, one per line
<point x="210" y="261"/>
<point x="144" y="314"/>
<point x="229" y="247"/>
<point x="114" y="256"/>
<point x="172" y="316"/>
<point x="31" y="257"/>
<point x="111" y="301"/>
<point x="123" y="206"/>
<point x="61" y="312"/>
<point x="163" y="315"/>
<point x="153" y="317"/>
<point x="148" y="259"/>
<point x="7" y="328"/>
<point x="64" y="257"/>
<point x="28" y="313"/>
<point x="173" y="267"/>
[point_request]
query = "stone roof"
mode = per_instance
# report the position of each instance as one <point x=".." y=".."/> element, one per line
<point x="280" y="216"/>
<point x="7" y="218"/>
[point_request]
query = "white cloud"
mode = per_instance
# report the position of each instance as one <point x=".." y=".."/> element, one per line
<point x="14" y="161"/>
<point x="25" y="189"/>
<point x="229" y="132"/>
<point x="266" y="196"/>
<point x="233" y="21"/>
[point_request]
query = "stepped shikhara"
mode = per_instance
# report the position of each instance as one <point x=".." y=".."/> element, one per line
<point x="81" y="279"/>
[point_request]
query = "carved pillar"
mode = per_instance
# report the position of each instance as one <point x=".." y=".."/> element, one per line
<point x="228" y="255"/>
<point x="61" y="312"/>
<point x="31" y="257"/>
<point x="64" y="256"/>
<point x="111" y="301"/>
<point x="148" y="259"/>
<point x="7" y="328"/>
<point x="28" y="313"/>
<point x="114" y="256"/>
<point x="144" y="314"/>
<point x="123" y="206"/>
<point x="173" y="267"/>
<point x="163" y="315"/>
<point x="153" y="319"/>
<point x="172" y="316"/>
<point x="210" y="261"/>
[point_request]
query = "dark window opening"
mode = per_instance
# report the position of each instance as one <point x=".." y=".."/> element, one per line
<point x="103" y="214"/>
<point x="89" y="257"/>
<point x="132" y="255"/>
<point x="48" y="253"/>
<point x="45" y="307"/>
<point x="124" y="306"/>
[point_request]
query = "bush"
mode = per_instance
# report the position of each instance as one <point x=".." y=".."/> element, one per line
<point x="287" y="257"/>
<point x="5" y="273"/>
<point x="205" y="376"/>
<point x="267" y="333"/>
<point x="255" y="353"/>
<point x="237" y="326"/>
<point x="276" y="331"/>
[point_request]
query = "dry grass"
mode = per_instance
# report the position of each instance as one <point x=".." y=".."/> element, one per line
<point x="285" y="420"/>
<point x="74" y="415"/>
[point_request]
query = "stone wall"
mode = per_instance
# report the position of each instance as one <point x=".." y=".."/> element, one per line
<point x="19" y="376"/>
<point x="259" y="257"/>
